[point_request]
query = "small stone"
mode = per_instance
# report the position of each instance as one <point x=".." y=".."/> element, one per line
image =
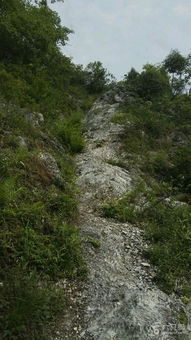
<point x="21" y="141"/>
<point x="144" y="264"/>
<point x="35" y="118"/>
<point x="52" y="167"/>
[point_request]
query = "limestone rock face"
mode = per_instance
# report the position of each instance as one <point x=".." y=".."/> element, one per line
<point x="120" y="300"/>
<point x="96" y="175"/>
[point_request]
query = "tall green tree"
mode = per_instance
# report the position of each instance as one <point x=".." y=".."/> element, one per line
<point x="29" y="32"/>
<point x="178" y="67"/>
<point x="131" y="80"/>
<point x="153" y="82"/>
<point x="33" y="70"/>
<point x="175" y="63"/>
<point x="97" y="77"/>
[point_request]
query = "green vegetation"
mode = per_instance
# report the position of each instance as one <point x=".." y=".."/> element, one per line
<point x="167" y="225"/>
<point x="94" y="242"/>
<point x="39" y="240"/>
<point x="114" y="162"/>
<point x="29" y="306"/>
<point x="97" y="77"/>
<point x="157" y="140"/>
<point x="39" y="243"/>
<point x="125" y="209"/>
<point x="69" y="131"/>
<point x="178" y="67"/>
<point x="183" y="319"/>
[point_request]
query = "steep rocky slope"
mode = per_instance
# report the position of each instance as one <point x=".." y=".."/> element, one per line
<point x="121" y="300"/>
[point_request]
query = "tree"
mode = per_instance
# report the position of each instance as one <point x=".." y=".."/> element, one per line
<point x="153" y="82"/>
<point x="29" y="32"/>
<point x="33" y="70"/>
<point x="131" y="80"/>
<point x="177" y="65"/>
<point x="44" y="2"/>
<point x="96" y="77"/>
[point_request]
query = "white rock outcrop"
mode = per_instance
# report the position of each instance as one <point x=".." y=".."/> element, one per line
<point x="121" y="300"/>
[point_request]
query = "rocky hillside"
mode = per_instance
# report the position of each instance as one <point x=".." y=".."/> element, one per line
<point x="95" y="215"/>
<point x="120" y="299"/>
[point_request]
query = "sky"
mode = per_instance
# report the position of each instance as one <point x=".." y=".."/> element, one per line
<point x="125" y="33"/>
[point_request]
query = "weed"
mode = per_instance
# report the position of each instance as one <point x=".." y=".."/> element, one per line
<point x="185" y="300"/>
<point x="118" y="118"/>
<point x="183" y="318"/>
<point x="126" y="208"/>
<point x="186" y="290"/>
<point x="69" y="131"/>
<point x="114" y="162"/>
<point x="94" y="242"/>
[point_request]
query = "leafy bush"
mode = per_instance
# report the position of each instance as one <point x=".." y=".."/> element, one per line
<point x="152" y="83"/>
